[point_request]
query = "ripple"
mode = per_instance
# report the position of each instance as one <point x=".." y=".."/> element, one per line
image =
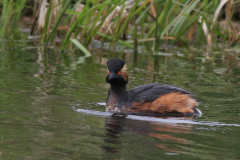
<point x="169" y="120"/>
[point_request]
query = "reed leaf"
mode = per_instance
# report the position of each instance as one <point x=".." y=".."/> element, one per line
<point x="86" y="20"/>
<point x="162" y="21"/>
<point x="93" y="26"/>
<point x="154" y="26"/>
<point x="18" y="5"/>
<point x="10" y="14"/>
<point x="96" y="29"/>
<point x="46" y="24"/>
<point x="81" y="47"/>
<point x="73" y="27"/>
<point x="115" y="33"/>
<point x="118" y="41"/>
<point x="53" y="31"/>
<point x="132" y="13"/>
<point x="181" y="20"/>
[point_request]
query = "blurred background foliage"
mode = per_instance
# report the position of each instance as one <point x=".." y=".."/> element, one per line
<point x="126" y="22"/>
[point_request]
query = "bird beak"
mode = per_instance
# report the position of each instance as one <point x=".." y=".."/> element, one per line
<point x="111" y="76"/>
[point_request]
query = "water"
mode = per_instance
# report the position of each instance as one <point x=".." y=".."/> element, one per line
<point x="52" y="105"/>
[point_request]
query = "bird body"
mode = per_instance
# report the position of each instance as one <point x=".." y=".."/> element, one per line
<point x="153" y="98"/>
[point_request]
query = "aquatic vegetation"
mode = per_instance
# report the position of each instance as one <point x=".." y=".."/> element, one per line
<point x="10" y="14"/>
<point x="114" y="21"/>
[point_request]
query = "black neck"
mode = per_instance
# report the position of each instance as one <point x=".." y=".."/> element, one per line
<point x="117" y="94"/>
<point x="118" y="88"/>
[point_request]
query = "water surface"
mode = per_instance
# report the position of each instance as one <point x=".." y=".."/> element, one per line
<point x="52" y="104"/>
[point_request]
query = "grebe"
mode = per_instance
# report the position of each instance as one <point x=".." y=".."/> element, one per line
<point x="153" y="98"/>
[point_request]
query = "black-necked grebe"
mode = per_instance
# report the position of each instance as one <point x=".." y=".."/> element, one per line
<point x="153" y="98"/>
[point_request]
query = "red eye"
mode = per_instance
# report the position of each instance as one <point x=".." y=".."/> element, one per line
<point x="119" y="72"/>
<point x="108" y="72"/>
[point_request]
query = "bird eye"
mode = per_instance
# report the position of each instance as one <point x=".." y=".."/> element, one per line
<point x="119" y="72"/>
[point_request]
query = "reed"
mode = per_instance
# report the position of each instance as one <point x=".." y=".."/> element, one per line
<point x="162" y="21"/>
<point x="10" y="14"/>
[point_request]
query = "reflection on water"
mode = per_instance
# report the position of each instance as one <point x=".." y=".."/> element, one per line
<point x="161" y="119"/>
<point x="172" y="136"/>
<point x="114" y="126"/>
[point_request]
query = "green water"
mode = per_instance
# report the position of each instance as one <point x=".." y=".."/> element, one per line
<point x="42" y="90"/>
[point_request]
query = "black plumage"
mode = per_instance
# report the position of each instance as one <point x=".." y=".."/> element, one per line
<point x="152" y="91"/>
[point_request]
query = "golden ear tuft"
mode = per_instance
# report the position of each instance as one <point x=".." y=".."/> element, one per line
<point x="124" y="73"/>
<point x="124" y="69"/>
